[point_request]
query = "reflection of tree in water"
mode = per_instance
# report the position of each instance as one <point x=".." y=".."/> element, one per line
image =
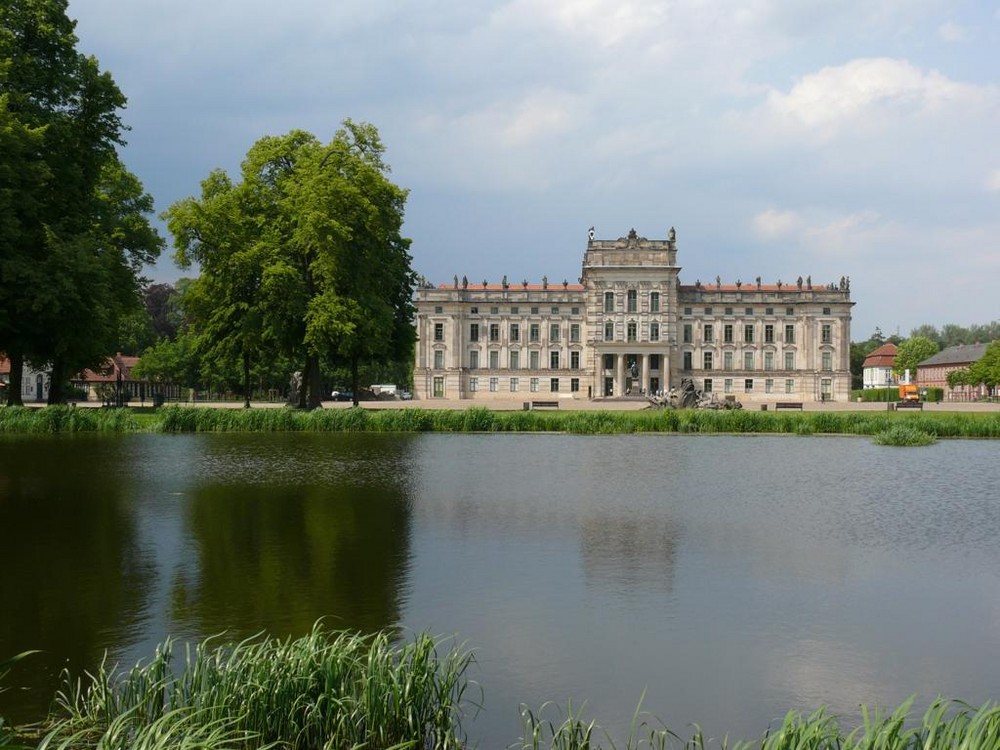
<point x="73" y="582"/>
<point x="630" y="551"/>
<point x="334" y="544"/>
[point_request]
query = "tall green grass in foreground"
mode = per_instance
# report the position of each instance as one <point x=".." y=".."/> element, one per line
<point x="341" y="691"/>
<point x="324" y="690"/>
<point x="58" y="419"/>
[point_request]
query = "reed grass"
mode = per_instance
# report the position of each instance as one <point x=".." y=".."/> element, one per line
<point x="324" y="690"/>
<point x="903" y="435"/>
<point x="62" y="419"/>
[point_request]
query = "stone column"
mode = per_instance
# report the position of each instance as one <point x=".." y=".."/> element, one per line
<point x="619" y="375"/>
<point x="644" y="372"/>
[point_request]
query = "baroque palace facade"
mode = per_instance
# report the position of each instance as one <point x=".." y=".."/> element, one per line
<point x="631" y="328"/>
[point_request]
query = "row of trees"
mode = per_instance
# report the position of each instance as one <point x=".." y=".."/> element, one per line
<point x="303" y="267"/>
<point x="985" y="372"/>
<point x="74" y="222"/>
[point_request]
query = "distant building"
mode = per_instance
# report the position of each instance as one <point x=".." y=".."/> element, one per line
<point x="876" y="372"/>
<point x="933" y="371"/>
<point x="34" y="382"/>
<point x="631" y="328"/>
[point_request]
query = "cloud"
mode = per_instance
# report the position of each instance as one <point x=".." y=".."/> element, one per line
<point x="952" y="32"/>
<point x="993" y="181"/>
<point x="869" y="93"/>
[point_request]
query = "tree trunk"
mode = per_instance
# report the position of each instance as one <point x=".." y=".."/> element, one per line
<point x="16" y="379"/>
<point x="246" y="380"/>
<point x="313" y="382"/>
<point x="354" y="378"/>
<point x="57" y="382"/>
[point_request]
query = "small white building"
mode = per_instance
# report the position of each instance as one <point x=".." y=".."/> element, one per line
<point x="877" y="371"/>
<point x="34" y="382"/>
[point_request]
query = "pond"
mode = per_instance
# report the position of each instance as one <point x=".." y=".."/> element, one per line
<point x="726" y="579"/>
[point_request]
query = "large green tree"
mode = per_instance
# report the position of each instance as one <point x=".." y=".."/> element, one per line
<point x="912" y="352"/>
<point x="74" y="232"/>
<point x="322" y="224"/>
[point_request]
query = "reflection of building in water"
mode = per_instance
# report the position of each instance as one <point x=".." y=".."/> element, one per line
<point x="631" y="552"/>
<point x="629" y="328"/>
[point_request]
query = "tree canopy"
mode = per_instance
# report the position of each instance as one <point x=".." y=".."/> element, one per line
<point x="912" y="352"/>
<point x="74" y="229"/>
<point x="302" y="258"/>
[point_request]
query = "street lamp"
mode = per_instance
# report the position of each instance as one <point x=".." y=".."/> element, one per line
<point x="888" y="388"/>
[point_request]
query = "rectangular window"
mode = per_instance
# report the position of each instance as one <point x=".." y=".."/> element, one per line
<point x="514" y="310"/>
<point x="654" y="331"/>
<point x="473" y="359"/>
<point x="747" y="360"/>
<point x="515" y="332"/>
<point x="574" y="311"/>
<point x="439" y="331"/>
<point x="609" y="302"/>
<point x="494" y="332"/>
<point x="609" y="361"/>
<point x="495" y="360"/>
<point x="789" y="334"/>
<point x="727" y="385"/>
<point x="574" y="333"/>
<point x="474" y="332"/>
<point x="687" y="310"/>
<point x="768" y="360"/>
<point x="827" y="361"/>
<point x="554" y="385"/>
<point x="515" y="360"/>
<point x="438" y="387"/>
<point x="633" y="300"/>
<point x="534" y="333"/>
<point x="729" y="311"/>
<point x="553" y="332"/>
<point x="707" y="360"/>
<point x="654" y="361"/>
<point x="727" y="333"/>
<point x="727" y="360"/>
<point x="574" y="385"/>
<point x="654" y="302"/>
<point x="769" y="311"/>
<point x="789" y="360"/>
<point x="439" y="360"/>
<point x="555" y="310"/>
<point x="789" y="386"/>
<point x="826" y="389"/>
<point x="632" y="328"/>
<point x="826" y="336"/>
<point x="826" y="310"/>
<point x="748" y="333"/>
<point x="789" y="311"/>
<point x="708" y="311"/>
<point x="707" y="385"/>
<point x="749" y="311"/>
<point x="533" y="385"/>
<point x="748" y="385"/>
<point x="768" y="334"/>
<point x="533" y="360"/>
<point x="494" y="310"/>
<point x="473" y="384"/>
<point x="494" y="385"/>
<point x="438" y="310"/>
<point x="687" y="361"/>
<point x="687" y="333"/>
<point x="609" y="331"/>
<point x="574" y="360"/>
<point x="769" y="385"/>
<point x="553" y="360"/>
<point x="534" y="311"/>
<point x="514" y="385"/>
<point x="708" y="333"/>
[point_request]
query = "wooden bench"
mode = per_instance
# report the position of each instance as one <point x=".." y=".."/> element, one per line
<point x="528" y="405"/>
<point x="910" y="405"/>
<point x="788" y="405"/>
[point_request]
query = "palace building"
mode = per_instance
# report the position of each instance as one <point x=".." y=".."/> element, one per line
<point x="632" y="328"/>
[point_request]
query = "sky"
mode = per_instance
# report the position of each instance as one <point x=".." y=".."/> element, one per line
<point x="782" y="138"/>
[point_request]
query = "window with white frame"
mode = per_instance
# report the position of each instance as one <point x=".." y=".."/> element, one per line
<point x="473" y="359"/>
<point x="473" y="384"/>
<point x="553" y="360"/>
<point x="609" y="331"/>
<point x="439" y="331"/>
<point x="747" y="360"/>
<point x="439" y="360"/>
<point x="515" y="360"/>
<point x="633" y="331"/>
<point x="574" y="360"/>
<point x="748" y="385"/>
<point x="533" y="385"/>
<point x="708" y="333"/>
<point x="827" y="360"/>
<point x="633" y="304"/>
<point x="768" y="360"/>
<point x="514" y="385"/>
<point x="533" y="360"/>
<point x="574" y="385"/>
<point x="515" y="333"/>
<point x="494" y="385"/>
<point x="789" y="386"/>
<point x="554" y="385"/>
<point x="706" y="360"/>
<point x="574" y="333"/>
<point x="534" y="333"/>
<point x="474" y="332"/>
<point x="553" y="332"/>
<point x="654" y="302"/>
<point x="609" y="302"/>
<point x="789" y="360"/>
<point x="438" y="387"/>
<point x="654" y="332"/>
<point x="494" y="359"/>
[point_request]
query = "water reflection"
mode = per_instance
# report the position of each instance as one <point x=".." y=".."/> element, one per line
<point x="73" y="579"/>
<point x="284" y="531"/>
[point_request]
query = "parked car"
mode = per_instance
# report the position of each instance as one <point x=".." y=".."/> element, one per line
<point x="342" y="395"/>
<point x="405" y="395"/>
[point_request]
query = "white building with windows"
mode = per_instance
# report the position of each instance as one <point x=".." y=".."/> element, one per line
<point x="631" y="328"/>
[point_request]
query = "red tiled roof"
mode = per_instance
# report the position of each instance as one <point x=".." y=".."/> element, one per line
<point x="553" y="287"/>
<point x="884" y="356"/>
